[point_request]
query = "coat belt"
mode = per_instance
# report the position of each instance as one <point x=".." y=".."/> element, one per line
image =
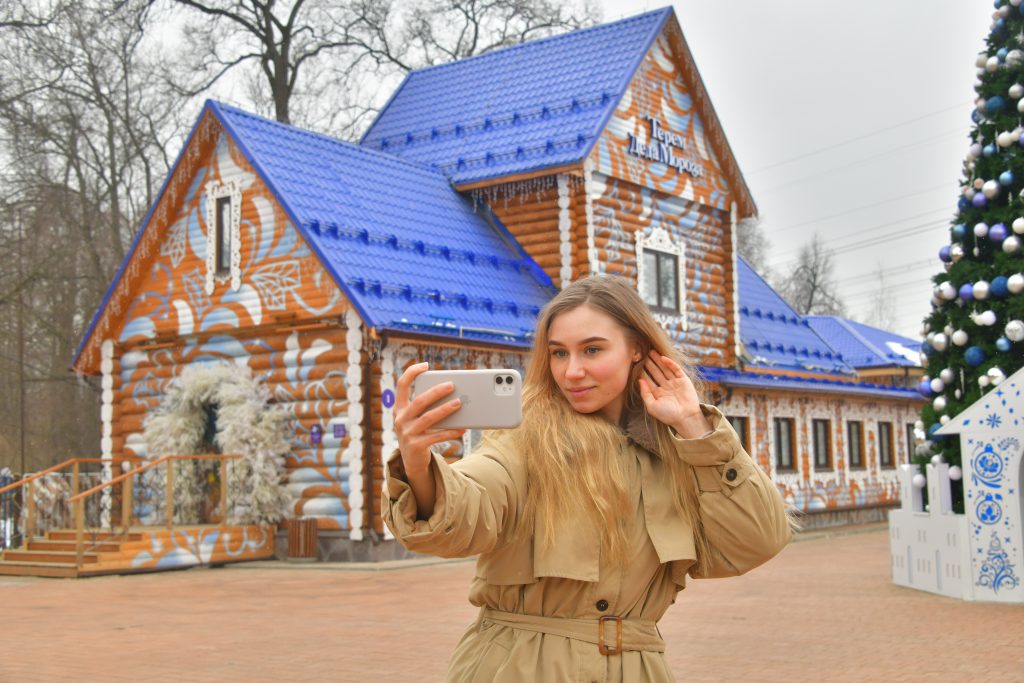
<point x="618" y="634"/>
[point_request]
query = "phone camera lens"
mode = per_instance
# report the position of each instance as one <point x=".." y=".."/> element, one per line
<point x="509" y="380"/>
<point x="497" y="380"/>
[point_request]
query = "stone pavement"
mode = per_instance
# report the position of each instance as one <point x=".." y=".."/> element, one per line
<point x="824" y="610"/>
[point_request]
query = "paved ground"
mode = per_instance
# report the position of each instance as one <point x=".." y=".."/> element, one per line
<point x="824" y="610"/>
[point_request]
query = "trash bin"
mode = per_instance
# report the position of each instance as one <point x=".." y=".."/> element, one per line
<point x="302" y="539"/>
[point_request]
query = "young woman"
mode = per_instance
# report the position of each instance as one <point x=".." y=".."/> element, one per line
<point x="588" y="517"/>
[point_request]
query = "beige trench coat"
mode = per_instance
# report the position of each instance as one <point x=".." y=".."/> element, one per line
<point x="479" y="500"/>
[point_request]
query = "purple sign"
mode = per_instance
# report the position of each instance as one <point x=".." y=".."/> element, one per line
<point x="339" y="431"/>
<point x="388" y="398"/>
<point x="316" y="434"/>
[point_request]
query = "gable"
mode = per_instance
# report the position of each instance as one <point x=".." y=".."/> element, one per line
<point x="999" y="410"/>
<point x="665" y="136"/>
<point x="167" y="289"/>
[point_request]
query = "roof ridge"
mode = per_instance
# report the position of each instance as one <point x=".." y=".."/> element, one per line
<point x="377" y="154"/>
<point x="546" y="39"/>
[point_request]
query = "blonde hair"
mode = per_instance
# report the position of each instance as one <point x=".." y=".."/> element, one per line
<point x="572" y="458"/>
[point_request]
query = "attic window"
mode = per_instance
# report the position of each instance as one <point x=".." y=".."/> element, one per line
<point x="223" y="235"/>
<point x="660" y="266"/>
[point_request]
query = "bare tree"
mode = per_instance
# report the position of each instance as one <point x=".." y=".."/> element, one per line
<point x="883" y="307"/>
<point x="811" y="287"/>
<point x="753" y="245"/>
<point x="327" y="64"/>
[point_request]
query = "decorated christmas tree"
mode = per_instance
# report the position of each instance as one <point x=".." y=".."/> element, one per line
<point x="975" y="333"/>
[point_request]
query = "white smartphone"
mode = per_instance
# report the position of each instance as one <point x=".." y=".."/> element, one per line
<point x="491" y="398"/>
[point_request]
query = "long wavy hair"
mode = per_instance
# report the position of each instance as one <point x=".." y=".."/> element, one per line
<point x="572" y="459"/>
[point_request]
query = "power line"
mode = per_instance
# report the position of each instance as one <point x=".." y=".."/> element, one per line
<point x="863" y="244"/>
<point x="918" y="265"/>
<point x="856" y="139"/>
<point x="859" y="162"/>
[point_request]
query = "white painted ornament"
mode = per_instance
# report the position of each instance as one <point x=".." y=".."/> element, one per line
<point x="1004" y="139"/>
<point x="992" y="64"/>
<point x="1016" y="91"/>
<point x="996" y="376"/>
<point x="1015" y="283"/>
<point x="937" y="459"/>
<point x="969" y="193"/>
<point x="947" y="375"/>
<point x="947" y="291"/>
<point x="1018" y="226"/>
<point x="984" y="381"/>
<point x="955" y="473"/>
<point x="939" y="343"/>
<point x="980" y="289"/>
<point x="937" y="385"/>
<point x="985" y="318"/>
<point x="944" y="419"/>
<point x="974" y="151"/>
<point x="1013" y="57"/>
<point x="960" y="338"/>
<point x="939" y="403"/>
<point x="1014" y="330"/>
<point x="919" y="481"/>
<point x="1011" y="245"/>
<point x="1020" y="105"/>
<point x="980" y="60"/>
<point x="980" y="229"/>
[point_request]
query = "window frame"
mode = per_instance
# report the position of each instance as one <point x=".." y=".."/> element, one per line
<point x="776" y="460"/>
<point x="743" y="432"/>
<point x="827" y="433"/>
<point x="658" y="241"/>
<point x="888" y="443"/>
<point x="911" y="434"/>
<point x="855" y="427"/>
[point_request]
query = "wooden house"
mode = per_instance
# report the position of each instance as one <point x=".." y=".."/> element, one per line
<point x="481" y="188"/>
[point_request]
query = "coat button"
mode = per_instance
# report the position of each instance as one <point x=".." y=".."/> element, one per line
<point x="602" y="605"/>
<point x="730" y="474"/>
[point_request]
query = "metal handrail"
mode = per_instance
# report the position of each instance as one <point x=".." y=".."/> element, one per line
<point x="78" y="500"/>
<point x="28" y="497"/>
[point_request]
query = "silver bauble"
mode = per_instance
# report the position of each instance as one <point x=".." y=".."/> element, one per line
<point x="939" y="403"/>
<point x="960" y="338"/>
<point x="1014" y="330"/>
<point x="1011" y="245"/>
<point x="1015" y="283"/>
<point x="947" y="375"/>
<point x="1016" y="91"/>
<point x="1018" y="226"/>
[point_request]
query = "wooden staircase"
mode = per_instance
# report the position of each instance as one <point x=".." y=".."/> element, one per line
<point x="142" y="550"/>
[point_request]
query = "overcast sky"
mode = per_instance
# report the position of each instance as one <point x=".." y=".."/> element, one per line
<point x="793" y="80"/>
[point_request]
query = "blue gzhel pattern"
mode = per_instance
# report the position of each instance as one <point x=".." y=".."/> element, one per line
<point x="408" y="250"/>
<point x="536" y="105"/>
<point x="775" y="336"/>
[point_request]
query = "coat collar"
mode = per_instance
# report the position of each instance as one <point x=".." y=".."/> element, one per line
<point x="639" y="428"/>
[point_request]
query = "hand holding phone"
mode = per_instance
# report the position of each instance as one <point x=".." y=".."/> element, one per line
<point x="488" y="398"/>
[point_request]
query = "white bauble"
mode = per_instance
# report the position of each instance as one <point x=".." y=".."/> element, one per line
<point x="1015" y="3"/>
<point x="991" y="188"/>
<point x="947" y="375"/>
<point x="980" y="229"/>
<point x="956" y="251"/>
<point x="980" y="289"/>
<point x="939" y="403"/>
<point x="937" y="385"/>
<point x="919" y="425"/>
<point x="947" y="330"/>
<point x="978" y="183"/>
<point x="1013" y="57"/>
<point x="1016" y="91"/>
<point x="1018" y="226"/>
<point x="944" y="419"/>
<point x="939" y="343"/>
<point x="960" y="338"/>
<point x="1011" y="245"/>
<point x="1015" y="283"/>
<point x="1020" y="105"/>
<point x="980" y="60"/>
<point x="947" y="291"/>
<point x="996" y="375"/>
<point x="969" y="193"/>
<point x="984" y="381"/>
<point x="955" y="473"/>
<point x="1004" y="139"/>
<point x="937" y="458"/>
<point x="986" y="318"/>
<point x="992" y="64"/>
<point x="1014" y="330"/>
<point x="1003" y="12"/>
<point x="974" y="151"/>
<point x="919" y="481"/>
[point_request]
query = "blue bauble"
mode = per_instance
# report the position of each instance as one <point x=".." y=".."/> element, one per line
<point x="974" y="356"/>
<point x="967" y="292"/>
<point x="931" y="432"/>
<point x="997" y="233"/>
<point x="1006" y="178"/>
<point x="975" y="116"/>
<point x="1001" y="54"/>
<point x="999" y="287"/>
<point x="994" y="105"/>
<point x="944" y="255"/>
<point x="979" y="201"/>
<point x="925" y="388"/>
<point x="1000" y="26"/>
<point x="959" y="230"/>
<point x="997" y="3"/>
<point x="963" y="204"/>
<point x="1003" y="344"/>
<point x="927" y="349"/>
<point x="988" y="150"/>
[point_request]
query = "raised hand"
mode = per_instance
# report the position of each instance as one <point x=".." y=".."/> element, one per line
<point x="670" y="396"/>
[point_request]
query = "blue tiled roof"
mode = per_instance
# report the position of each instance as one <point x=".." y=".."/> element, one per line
<point x="775" y="336"/>
<point x="733" y="378"/>
<point x="536" y="105"/>
<point x="864" y="346"/>
<point x="409" y="251"/>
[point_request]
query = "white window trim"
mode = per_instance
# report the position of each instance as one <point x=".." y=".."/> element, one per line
<point x="215" y="191"/>
<point x="658" y="239"/>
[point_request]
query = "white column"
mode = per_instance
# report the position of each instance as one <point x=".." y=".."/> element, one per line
<point x="106" y="418"/>
<point x="588" y="189"/>
<point x="564" y="226"/>
<point x="387" y="418"/>
<point x="353" y="454"/>
<point x="735" y="281"/>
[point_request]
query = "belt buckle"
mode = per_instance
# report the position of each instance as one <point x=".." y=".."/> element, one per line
<point x="601" y="646"/>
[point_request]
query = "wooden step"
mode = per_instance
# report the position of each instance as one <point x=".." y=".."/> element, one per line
<point x="39" y="556"/>
<point x="69" y="546"/>
<point x="46" y="569"/>
<point x="91" y="536"/>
